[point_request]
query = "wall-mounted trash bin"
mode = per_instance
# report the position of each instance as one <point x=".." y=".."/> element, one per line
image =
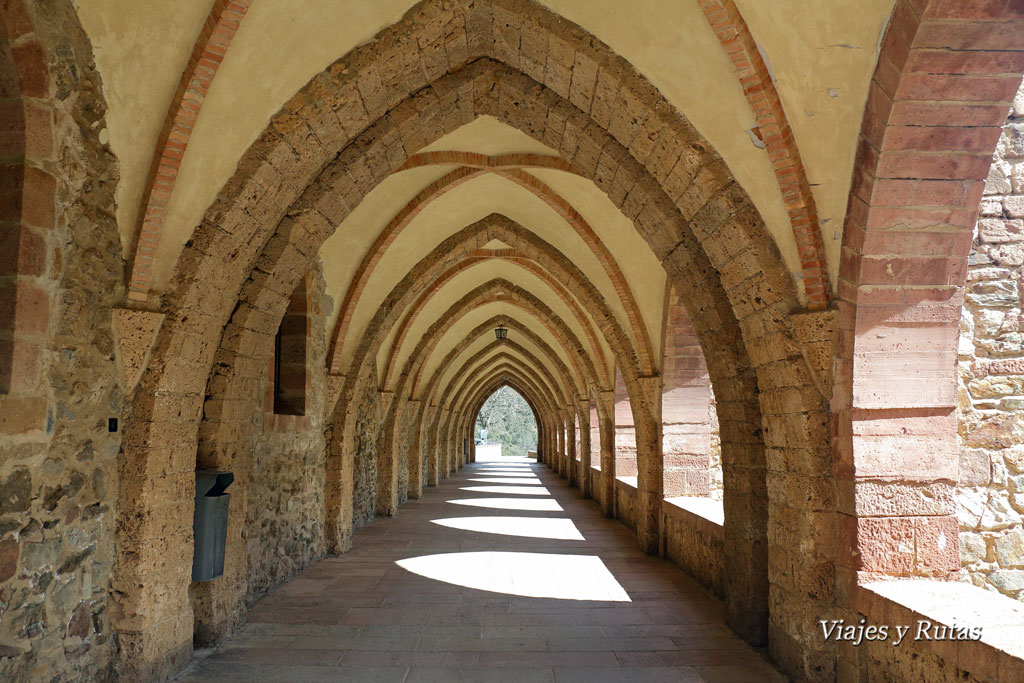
<point x="210" y="525"/>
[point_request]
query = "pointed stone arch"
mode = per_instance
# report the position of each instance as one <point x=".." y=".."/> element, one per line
<point x="946" y="75"/>
<point x="518" y="259"/>
<point x="550" y="198"/>
<point x="654" y="166"/>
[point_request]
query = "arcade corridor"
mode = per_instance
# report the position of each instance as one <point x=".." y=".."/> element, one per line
<point x="756" y="268"/>
<point x="484" y="614"/>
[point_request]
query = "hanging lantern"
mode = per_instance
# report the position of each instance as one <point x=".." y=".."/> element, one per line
<point x="501" y="332"/>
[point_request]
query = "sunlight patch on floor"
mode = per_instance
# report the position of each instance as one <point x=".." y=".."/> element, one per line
<point x="538" y="504"/>
<point x="505" y="468"/>
<point x="532" y="575"/>
<point x="533" y="527"/>
<point x="507" y="480"/>
<point x="517" y="490"/>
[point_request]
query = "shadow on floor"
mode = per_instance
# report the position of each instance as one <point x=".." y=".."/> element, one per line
<point x="501" y="573"/>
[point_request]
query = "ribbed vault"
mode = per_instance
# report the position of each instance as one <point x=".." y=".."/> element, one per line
<point x="376" y="177"/>
<point x="329" y="212"/>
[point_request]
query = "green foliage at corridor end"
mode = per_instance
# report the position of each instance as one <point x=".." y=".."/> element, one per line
<point x="507" y="418"/>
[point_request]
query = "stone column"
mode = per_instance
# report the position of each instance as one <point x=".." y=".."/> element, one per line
<point x="443" y="444"/>
<point x="559" y="422"/>
<point x="570" y="435"/>
<point x="430" y="444"/>
<point x="583" y="415"/>
<point x="552" y="446"/>
<point x="387" y="460"/>
<point x="415" y="464"/>
<point x="338" y="487"/>
<point x="647" y="421"/>
<point x="606" y="419"/>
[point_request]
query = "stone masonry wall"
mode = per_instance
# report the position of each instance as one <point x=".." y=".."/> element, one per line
<point x="717" y="486"/>
<point x="990" y="498"/>
<point x="58" y="484"/>
<point x="404" y="443"/>
<point x="368" y="423"/>
<point x="285" y="518"/>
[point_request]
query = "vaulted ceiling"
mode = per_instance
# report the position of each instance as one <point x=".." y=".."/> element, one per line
<point x="820" y="57"/>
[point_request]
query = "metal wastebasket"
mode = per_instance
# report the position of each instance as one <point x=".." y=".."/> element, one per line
<point x="210" y="524"/>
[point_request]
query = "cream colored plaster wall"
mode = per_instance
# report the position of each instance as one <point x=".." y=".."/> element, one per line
<point x="822" y="80"/>
<point x="343" y="251"/>
<point x="279" y="47"/>
<point x="671" y="43"/>
<point x="638" y="263"/>
<point x="142" y="46"/>
<point x="469" y="202"/>
<point x="141" y="49"/>
<point x="487" y="135"/>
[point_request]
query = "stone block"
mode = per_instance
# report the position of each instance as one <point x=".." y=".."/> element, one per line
<point x="135" y="333"/>
<point x="975" y="467"/>
<point x="1008" y="580"/>
<point x="996" y="230"/>
<point x="23" y="415"/>
<point x="937" y="545"/>
<point x="1009" y="548"/>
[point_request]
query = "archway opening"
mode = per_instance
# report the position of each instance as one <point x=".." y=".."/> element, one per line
<point x="505" y="426"/>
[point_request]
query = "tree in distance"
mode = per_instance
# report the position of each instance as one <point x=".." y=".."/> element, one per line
<point x="507" y="419"/>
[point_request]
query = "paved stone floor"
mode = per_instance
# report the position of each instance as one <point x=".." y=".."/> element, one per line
<point x="501" y="573"/>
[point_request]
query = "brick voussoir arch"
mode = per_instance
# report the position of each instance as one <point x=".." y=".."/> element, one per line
<point x="524" y="377"/>
<point x="459" y="309"/>
<point x="945" y="77"/>
<point x="484" y="374"/>
<point x="926" y="144"/>
<point x="483" y="161"/>
<point x="388" y="488"/>
<point x="420" y="277"/>
<point x="500" y="376"/>
<point x="502" y="362"/>
<point x="508" y="375"/>
<point x="505" y="375"/>
<point x="491" y="381"/>
<point x="474" y="259"/>
<point x="496" y="381"/>
<point x="471" y="414"/>
<point x="483" y="328"/>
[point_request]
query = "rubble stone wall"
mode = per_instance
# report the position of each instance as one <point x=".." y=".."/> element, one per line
<point x="990" y="498"/>
<point x="58" y="474"/>
<point x="405" y="425"/>
<point x="368" y="424"/>
<point x="285" y="518"/>
<point x="695" y="544"/>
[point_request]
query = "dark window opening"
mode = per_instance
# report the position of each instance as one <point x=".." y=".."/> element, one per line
<point x="290" y="356"/>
